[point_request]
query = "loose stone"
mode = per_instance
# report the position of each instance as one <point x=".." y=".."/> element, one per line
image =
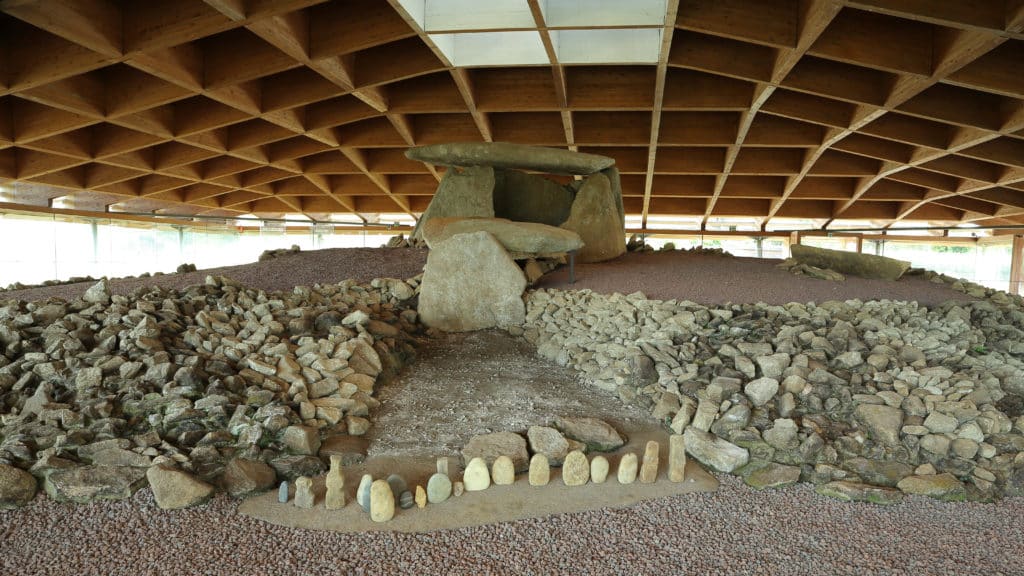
<point x="598" y="469"/>
<point x="382" y="501"/>
<point x="627" y="468"/>
<point x="476" y="477"/>
<point x="421" y="497"/>
<point x="575" y="469"/>
<point x="649" y="467"/>
<point x="406" y="500"/>
<point x="458" y="488"/>
<point x="540" y="472"/>
<point x="503" y="473"/>
<point x="282" y="492"/>
<point x="676" y="458"/>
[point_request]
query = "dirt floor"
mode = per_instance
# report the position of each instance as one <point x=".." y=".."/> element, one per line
<point x="479" y="382"/>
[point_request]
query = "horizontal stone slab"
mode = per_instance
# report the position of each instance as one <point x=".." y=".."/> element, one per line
<point x="505" y="155"/>
<point x="853" y="263"/>
<point x="518" y="237"/>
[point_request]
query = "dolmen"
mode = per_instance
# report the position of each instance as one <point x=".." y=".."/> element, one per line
<point x="493" y="228"/>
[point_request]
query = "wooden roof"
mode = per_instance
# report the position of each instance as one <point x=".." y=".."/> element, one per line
<point x="881" y="110"/>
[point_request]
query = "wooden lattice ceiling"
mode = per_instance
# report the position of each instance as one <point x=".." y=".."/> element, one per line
<point x="881" y="110"/>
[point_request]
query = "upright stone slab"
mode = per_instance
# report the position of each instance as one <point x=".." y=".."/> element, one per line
<point x="575" y="469"/>
<point x="540" y="472"/>
<point x="676" y="458"/>
<point x="507" y="155"/>
<point x="462" y="192"/>
<point x="503" y="473"/>
<point x="476" y="477"/>
<point x="598" y="469"/>
<point x="470" y="283"/>
<point x="382" y="501"/>
<point x="627" y="468"/>
<point x="530" y="198"/>
<point x="595" y="217"/>
<point x="421" y="497"/>
<point x="612" y="173"/>
<point x="439" y="488"/>
<point x="282" y="492"/>
<point x="649" y="467"/>
<point x="335" y="498"/>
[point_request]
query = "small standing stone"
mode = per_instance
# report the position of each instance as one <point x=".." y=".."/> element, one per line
<point x="304" y="492"/>
<point x="442" y="466"/>
<point x="649" y="468"/>
<point x="335" y="498"/>
<point x="421" y="497"/>
<point x="363" y="492"/>
<point x="575" y="469"/>
<point x="540" y="472"/>
<point x="382" y="501"/>
<point x="458" y="488"/>
<point x="627" y="468"/>
<point x="439" y="488"/>
<point x="676" y="458"/>
<point x="598" y="469"/>
<point x="398" y="485"/>
<point x="503" y="473"/>
<point x="406" y="500"/>
<point x="476" y="476"/>
<point x="282" y="492"/>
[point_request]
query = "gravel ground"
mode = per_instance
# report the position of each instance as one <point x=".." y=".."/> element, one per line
<point x="709" y="279"/>
<point x="282" y="273"/>
<point x="736" y="530"/>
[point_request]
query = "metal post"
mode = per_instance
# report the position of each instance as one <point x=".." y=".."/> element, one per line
<point x="572" y="266"/>
<point x="759" y="240"/>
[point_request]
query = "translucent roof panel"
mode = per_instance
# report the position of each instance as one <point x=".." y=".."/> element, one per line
<point x="612" y="13"/>
<point x="451" y="15"/>
<point x="607" y="46"/>
<point x="492" y="48"/>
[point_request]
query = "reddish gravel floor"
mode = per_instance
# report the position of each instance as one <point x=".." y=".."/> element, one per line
<point x="281" y="273"/>
<point x="736" y="530"/>
<point x="710" y="279"/>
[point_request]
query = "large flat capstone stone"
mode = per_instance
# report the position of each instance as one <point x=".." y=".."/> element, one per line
<point x="853" y="263"/>
<point x="470" y="283"/>
<point x="88" y="483"/>
<point x="521" y="237"/>
<point x="506" y="155"/>
<point x="596" y="217"/>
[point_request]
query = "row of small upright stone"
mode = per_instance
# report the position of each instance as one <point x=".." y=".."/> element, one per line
<point x="378" y="497"/>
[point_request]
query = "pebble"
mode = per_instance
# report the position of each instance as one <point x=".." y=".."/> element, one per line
<point x="676" y="458"/>
<point x="421" y="497"/>
<point x="458" y="488"/>
<point x="382" y="501"/>
<point x="649" y="467"/>
<point x="540" y="472"/>
<point x="304" y="497"/>
<point x="575" y="469"/>
<point x="503" y="472"/>
<point x="627" y="468"/>
<point x="406" y="500"/>
<point x="598" y="469"/>
<point x="476" y="477"/>
<point x="398" y="485"/>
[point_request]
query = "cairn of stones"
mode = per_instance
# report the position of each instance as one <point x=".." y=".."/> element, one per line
<point x="214" y="387"/>
<point x="867" y="400"/>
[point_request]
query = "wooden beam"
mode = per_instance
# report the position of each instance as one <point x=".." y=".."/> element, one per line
<point x="671" y="17"/>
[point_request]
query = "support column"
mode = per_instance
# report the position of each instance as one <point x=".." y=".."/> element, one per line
<point x="794" y="239"/>
<point x="860" y="243"/>
<point x="760" y="246"/>
<point x="1015" y="264"/>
